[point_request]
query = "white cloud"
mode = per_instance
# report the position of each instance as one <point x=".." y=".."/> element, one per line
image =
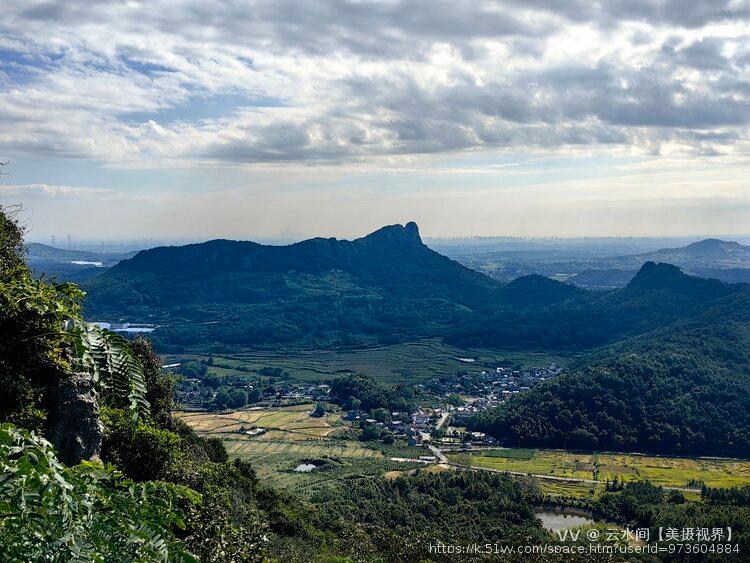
<point x="337" y="81"/>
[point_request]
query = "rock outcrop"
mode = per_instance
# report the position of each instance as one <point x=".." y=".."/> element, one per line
<point x="76" y="430"/>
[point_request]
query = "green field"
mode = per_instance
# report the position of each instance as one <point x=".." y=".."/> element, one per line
<point x="397" y="363"/>
<point x="665" y="471"/>
<point x="294" y="437"/>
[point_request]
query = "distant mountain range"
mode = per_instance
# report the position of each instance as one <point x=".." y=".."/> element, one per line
<point x="665" y="356"/>
<point x="384" y="287"/>
<point x="69" y="264"/>
<point x="711" y="251"/>
<point x="710" y="258"/>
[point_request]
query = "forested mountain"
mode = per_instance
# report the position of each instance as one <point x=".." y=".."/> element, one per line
<point x="681" y="388"/>
<point x="659" y="295"/>
<point x="384" y="287"/>
<point x="664" y="364"/>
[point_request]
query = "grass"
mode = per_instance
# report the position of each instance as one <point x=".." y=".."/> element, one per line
<point x="665" y="471"/>
<point x="410" y="362"/>
<point x="512" y="453"/>
<point x="279" y="470"/>
<point x="571" y="489"/>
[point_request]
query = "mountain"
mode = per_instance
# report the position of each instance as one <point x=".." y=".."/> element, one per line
<point x="677" y="381"/>
<point x="67" y="264"/>
<point x="712" y="253"/>
<point x="383" y="287"/>
<point x="710" y="258"/>
<point x="663" y="363"/>
<point x="535" y="290"/>
<point x="601" y="263"/>
<point x="658" y="295"/>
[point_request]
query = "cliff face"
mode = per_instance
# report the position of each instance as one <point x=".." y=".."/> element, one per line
<point x="75" y="428"/>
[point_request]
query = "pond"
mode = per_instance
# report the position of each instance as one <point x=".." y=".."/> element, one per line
<point x="554" y="521"/>
<point x="305" y="467"/>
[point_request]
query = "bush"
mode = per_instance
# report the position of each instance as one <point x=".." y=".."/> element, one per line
<point x="141" y="451"/>
<point x="86" y="513"/>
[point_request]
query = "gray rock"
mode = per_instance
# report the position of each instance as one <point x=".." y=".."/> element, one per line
<point x="76" y="430"/>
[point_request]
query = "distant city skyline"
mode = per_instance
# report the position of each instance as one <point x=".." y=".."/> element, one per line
<point x="184" y="120"/>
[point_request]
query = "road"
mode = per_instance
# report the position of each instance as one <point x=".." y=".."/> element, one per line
<point x="442" y="420"/>
<point x="439" y="454"/>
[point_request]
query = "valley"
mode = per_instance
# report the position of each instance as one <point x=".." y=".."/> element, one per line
<point x="322" y="391"/>
<point x="292" y="437"/>
<point x="409" y="362"/>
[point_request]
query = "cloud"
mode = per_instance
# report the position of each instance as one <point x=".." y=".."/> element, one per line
<point x="334" y="81"/>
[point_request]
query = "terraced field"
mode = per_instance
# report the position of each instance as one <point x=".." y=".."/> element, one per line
<point x="666" y="471"/>
<point x="287" y="423"/>
<point x="294" y="437"/>
<point x="257" y="449"/>
<point x="289" y="430"/>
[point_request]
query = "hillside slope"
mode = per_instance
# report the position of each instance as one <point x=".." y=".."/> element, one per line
<point x="658" y="295"/>
<point x="674" y="377"/>
<point x="384" y="287"/>
<point x="684" y="388"/>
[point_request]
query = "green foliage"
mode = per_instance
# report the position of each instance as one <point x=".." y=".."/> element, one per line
<point x="89" y="512"/>
<point x="682" y="389"/>
<point x="642" y="505"/>
<point x="11" y="243"/>
<point x="44" y="337"/>
<point x="116" y="370"/>
<point x="452" y="507"/>
<point x="320" y="410"/>
<point x="372" y="394"/>
<point x="227" y="398"/>
<point x="738" y="496"/>
<point x="34" y="344"/>
<point x="159" y="386"/>
<point x="143" y="452"/>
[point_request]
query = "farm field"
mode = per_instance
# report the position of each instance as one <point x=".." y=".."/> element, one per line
<point x="294" y="437"/>
<point x="287" y="423"/>
<point x="601" y="467"/>
<point x="397" y="363"/>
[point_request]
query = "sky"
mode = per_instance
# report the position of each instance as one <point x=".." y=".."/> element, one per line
<point x="243" y="119"/>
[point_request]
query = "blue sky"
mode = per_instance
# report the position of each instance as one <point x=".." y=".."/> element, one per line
<point x="246" y="119"/>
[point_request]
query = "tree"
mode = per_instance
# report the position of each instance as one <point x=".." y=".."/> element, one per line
<point x="158" y="385"/>
<point x="237" y="398"/>
<point x="381" y="415"/>
<point x="320" y="410"/>
<point x="454" y="400"/>
<point x="222" y="400"/>
<point x="89" y="512"/>
<point x="256" y="394"/>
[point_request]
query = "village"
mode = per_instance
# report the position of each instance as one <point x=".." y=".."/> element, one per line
<point x="442" y="410"/>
